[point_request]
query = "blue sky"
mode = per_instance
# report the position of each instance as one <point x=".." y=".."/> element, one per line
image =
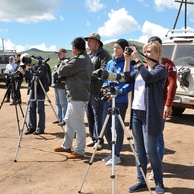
<point x="51" y="24"/>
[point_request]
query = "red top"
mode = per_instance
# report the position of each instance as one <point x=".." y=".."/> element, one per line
<point x="171" y="85"/>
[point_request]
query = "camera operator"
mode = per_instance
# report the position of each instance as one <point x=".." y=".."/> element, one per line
<point x="59" y="88"/>
<point x="10" y="68"/>
<point x="77" y="72"/>
<point x="31" y="73"/>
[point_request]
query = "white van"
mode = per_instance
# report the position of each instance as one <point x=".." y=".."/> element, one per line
<point x="179" y="47"/>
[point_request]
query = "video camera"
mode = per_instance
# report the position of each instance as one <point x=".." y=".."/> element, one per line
<point x="103" y="74"/>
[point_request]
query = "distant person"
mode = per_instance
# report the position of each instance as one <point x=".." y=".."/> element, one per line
<point x="115" y="65"/>
<point x="77" y="72"/>
<point x="99" y="58"/>
<point x="169" y="94"/>
<point x="9" y="69"/>
<point x="17" y="82"/>
<point x="147" y="111"/>
<point x="34" y="74"/>
<point x="59" y="88"/>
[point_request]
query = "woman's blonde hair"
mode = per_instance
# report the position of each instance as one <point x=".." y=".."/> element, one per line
<point x="155" y="46"/>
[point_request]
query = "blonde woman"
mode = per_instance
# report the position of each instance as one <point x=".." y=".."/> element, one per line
<point x="147" y="110"/>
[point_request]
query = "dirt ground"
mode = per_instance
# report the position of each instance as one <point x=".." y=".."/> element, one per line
<point x="39" y="170"/>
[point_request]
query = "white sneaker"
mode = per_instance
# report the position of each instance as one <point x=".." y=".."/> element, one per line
<point x="151" y="177"/>
<point x="107" y="158"/>
<point x="149" y="167"/>
<point x="117" y="161"/>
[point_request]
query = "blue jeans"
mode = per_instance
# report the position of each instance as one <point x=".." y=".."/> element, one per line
<point x="61" y="102"/>
<point x="146" y="147"/>
<point x="94" y="114"/>
<point x="119" y="129"/>
<point x="37" y="104"/>
<point x="161" y="145"/>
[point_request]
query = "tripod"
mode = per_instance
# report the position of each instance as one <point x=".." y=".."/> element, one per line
<point x="33" y="88"/>
<point x="11" y="89"/>
<point x="113" y="111"/>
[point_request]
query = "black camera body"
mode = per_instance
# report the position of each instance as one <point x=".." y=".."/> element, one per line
<point x="128" y="50"/>
<point x="58" y="79"/>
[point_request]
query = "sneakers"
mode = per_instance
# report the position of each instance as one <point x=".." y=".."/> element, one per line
<point x="149" y="167"/>
<point x="7" y="100"/>
<point x="159" y="188"/>
<point x="29" y="131"/>
<point x="62" y="123"/>
<point x="107" y="158"/>
<point x="38" y="132"/>
<point x="137" y="187"/>
<point x="151" y="177"/>
<point x="117" y="161"/>
<point x="56" y="122"/>
<point x="90" y="144"/>
<point x="99" y="147"/>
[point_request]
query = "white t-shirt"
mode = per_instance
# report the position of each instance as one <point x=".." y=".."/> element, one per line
<point x="139" y="90"/>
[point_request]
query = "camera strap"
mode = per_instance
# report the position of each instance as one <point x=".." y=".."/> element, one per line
<point x="151" y="59"/>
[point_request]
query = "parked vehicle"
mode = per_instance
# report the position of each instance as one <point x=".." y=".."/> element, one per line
<point x="179" y="47"/>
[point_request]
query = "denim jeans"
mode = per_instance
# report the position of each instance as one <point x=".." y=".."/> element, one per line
<point x="61" y="102"/>
<point x="146" y="147"/>
<point x="161" y="145"/>
<point x="39" y="105"/>
<point x="118" y="127"/>
<point x="94" y="115"/>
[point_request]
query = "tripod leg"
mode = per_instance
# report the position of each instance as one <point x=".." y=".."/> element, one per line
<point x="23" y="123"/>
<point x="95" y="149"/>
<point x="8" y="88"/>
<point x="132" y="148"/>
<point x="47" y="97"/>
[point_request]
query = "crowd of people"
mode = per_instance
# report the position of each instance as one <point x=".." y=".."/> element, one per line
<point x="76" y="84"/>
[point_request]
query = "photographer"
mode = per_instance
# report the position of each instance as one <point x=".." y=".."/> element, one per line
<point x="10" y="69"/>
<point x="17" y="82"/>
<point x="59" y="88"/>
<point x="32" y="72"/>
<point x="147" y="111"/>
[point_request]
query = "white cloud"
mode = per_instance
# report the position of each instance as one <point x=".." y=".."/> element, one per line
<point x="161" y="4"/>
<point x="94" y="5"/>
<point x="150" y="29"/>
<point x="120" y="22"/>
<point x="27" y="11"/>
<point x="9" y="45"/>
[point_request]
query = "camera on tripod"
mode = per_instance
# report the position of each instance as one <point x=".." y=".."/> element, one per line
<point x="108" y="90"/>
<point x="34" y="60"/>
<point x="103" y="74"/>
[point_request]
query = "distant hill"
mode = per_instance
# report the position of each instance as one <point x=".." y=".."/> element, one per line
<point x="54" y="58"/>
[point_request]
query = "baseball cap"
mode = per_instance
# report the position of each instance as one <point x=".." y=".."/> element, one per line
<point x="61" y="50"/>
